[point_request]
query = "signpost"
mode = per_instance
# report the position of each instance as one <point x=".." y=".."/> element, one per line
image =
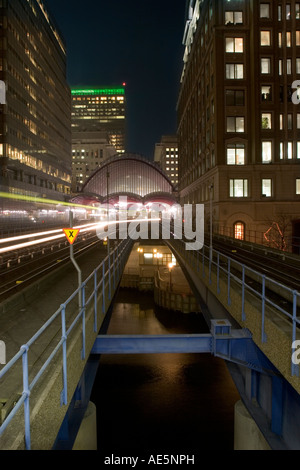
<point x="71" y="235"/>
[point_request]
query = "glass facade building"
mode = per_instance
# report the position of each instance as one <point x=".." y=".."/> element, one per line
<point x="35" y="121"/>
<point x="100" y="110"/>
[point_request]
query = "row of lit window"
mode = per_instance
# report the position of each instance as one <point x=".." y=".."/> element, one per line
<point x="96" y="99"/>
<point x="287" y="150"/>
<point x="236" y="44"/>
<point x="237" y="97"/>
<point x="35" y="163"/>
<point x="236" y="17"/>
<point x="240" y="187"/>
<point x="237" y="123"/>
<point x="235" y="71"/>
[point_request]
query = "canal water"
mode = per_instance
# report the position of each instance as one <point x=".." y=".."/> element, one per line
<point x="161" y="403"/>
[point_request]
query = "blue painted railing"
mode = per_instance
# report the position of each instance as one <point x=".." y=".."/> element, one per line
<point x="232" y="270"/>
<point x="105" y="279"/>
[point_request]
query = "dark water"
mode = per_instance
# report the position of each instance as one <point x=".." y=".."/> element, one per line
<point x="161" y="403"/>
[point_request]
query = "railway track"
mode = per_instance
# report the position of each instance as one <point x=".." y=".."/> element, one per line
<point x="20" y="274"/>
<point x="286" y="272"/>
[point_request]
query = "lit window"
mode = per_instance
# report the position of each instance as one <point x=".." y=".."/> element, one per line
<point x="297" y="38"/>
<point x="265" y="10"/>
<point x="236" y="154"/>
<point x="239" y="230"/>
<point x="265" y="38"/>
<point x="266" y="94"/>
<point x="235" y="71"/>
<point x="238" y="188"/>
<point x="281" y="121"/>
<point x="290" y="150"/>
<point x="265" y="65"/>
<point x="266" y="152"/>
<point x="267" y="187"/>
<point x="281" y="152"/>
<point x="235" y="124"/>
<point x="235" y="45"/>
<point x="233" y="17"/>
<point x="266" y="122"/>
<point x="298" y="186"/>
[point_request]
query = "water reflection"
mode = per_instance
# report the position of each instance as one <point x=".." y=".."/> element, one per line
<point x="160" y="403"/>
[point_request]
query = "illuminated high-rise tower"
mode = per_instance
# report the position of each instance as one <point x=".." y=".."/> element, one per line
<point x="35" y="121"/>
<point x="98" y="129"/>
<point x="100" y="110"/>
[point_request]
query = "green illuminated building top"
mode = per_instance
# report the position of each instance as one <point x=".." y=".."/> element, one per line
<point x="98" y="91"/>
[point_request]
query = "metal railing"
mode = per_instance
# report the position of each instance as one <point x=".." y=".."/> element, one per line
<point x="102" y="282"/>
<point x="264" y="288"/>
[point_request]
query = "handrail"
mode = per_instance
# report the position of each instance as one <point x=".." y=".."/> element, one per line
<point x="195" y="260"/>
<point x="118" y="255"/>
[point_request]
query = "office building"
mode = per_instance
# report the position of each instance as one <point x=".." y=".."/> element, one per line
<point x="166" y="156"/>
<point x="35" y="121"/>
<point x="100" y="110"/>
<point x="238" y="117"/>
<point x="89" y="152"/>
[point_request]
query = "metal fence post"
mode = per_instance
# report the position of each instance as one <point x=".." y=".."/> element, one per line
<point x="263" y="305"/>
<point x="218" y="273"/>
<point x="295" y="367"/>
<point x="114" y="268"/>
<point x="228" y="283"/>
<point x="26" y="393"/>
<point x="95" y="300"/>
<point x="83" y="321"/>
<point x="109" y="278"/>
<point x="64" y="393"/>
<point x="243" y="293"/>
<point x="103" y="287"/>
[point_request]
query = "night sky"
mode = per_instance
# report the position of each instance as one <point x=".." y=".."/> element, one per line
<point x="138" y="42"/>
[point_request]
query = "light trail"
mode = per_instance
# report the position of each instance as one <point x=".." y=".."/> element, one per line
<point x="83" y="228"/>
<point x="44" y="239"/>
<point x="19" y="197"/>
<point x="39" y="234"/>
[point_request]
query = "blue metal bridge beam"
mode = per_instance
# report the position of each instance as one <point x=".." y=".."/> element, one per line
<point x="142" y="344"/>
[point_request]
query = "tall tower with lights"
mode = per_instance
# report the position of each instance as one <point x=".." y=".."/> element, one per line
<point x="98" y="128"/>
<point x="35" y="120"/>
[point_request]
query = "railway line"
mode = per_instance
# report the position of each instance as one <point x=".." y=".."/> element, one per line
<point x="21" y="267"/>
<point x="285" y="271"/>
